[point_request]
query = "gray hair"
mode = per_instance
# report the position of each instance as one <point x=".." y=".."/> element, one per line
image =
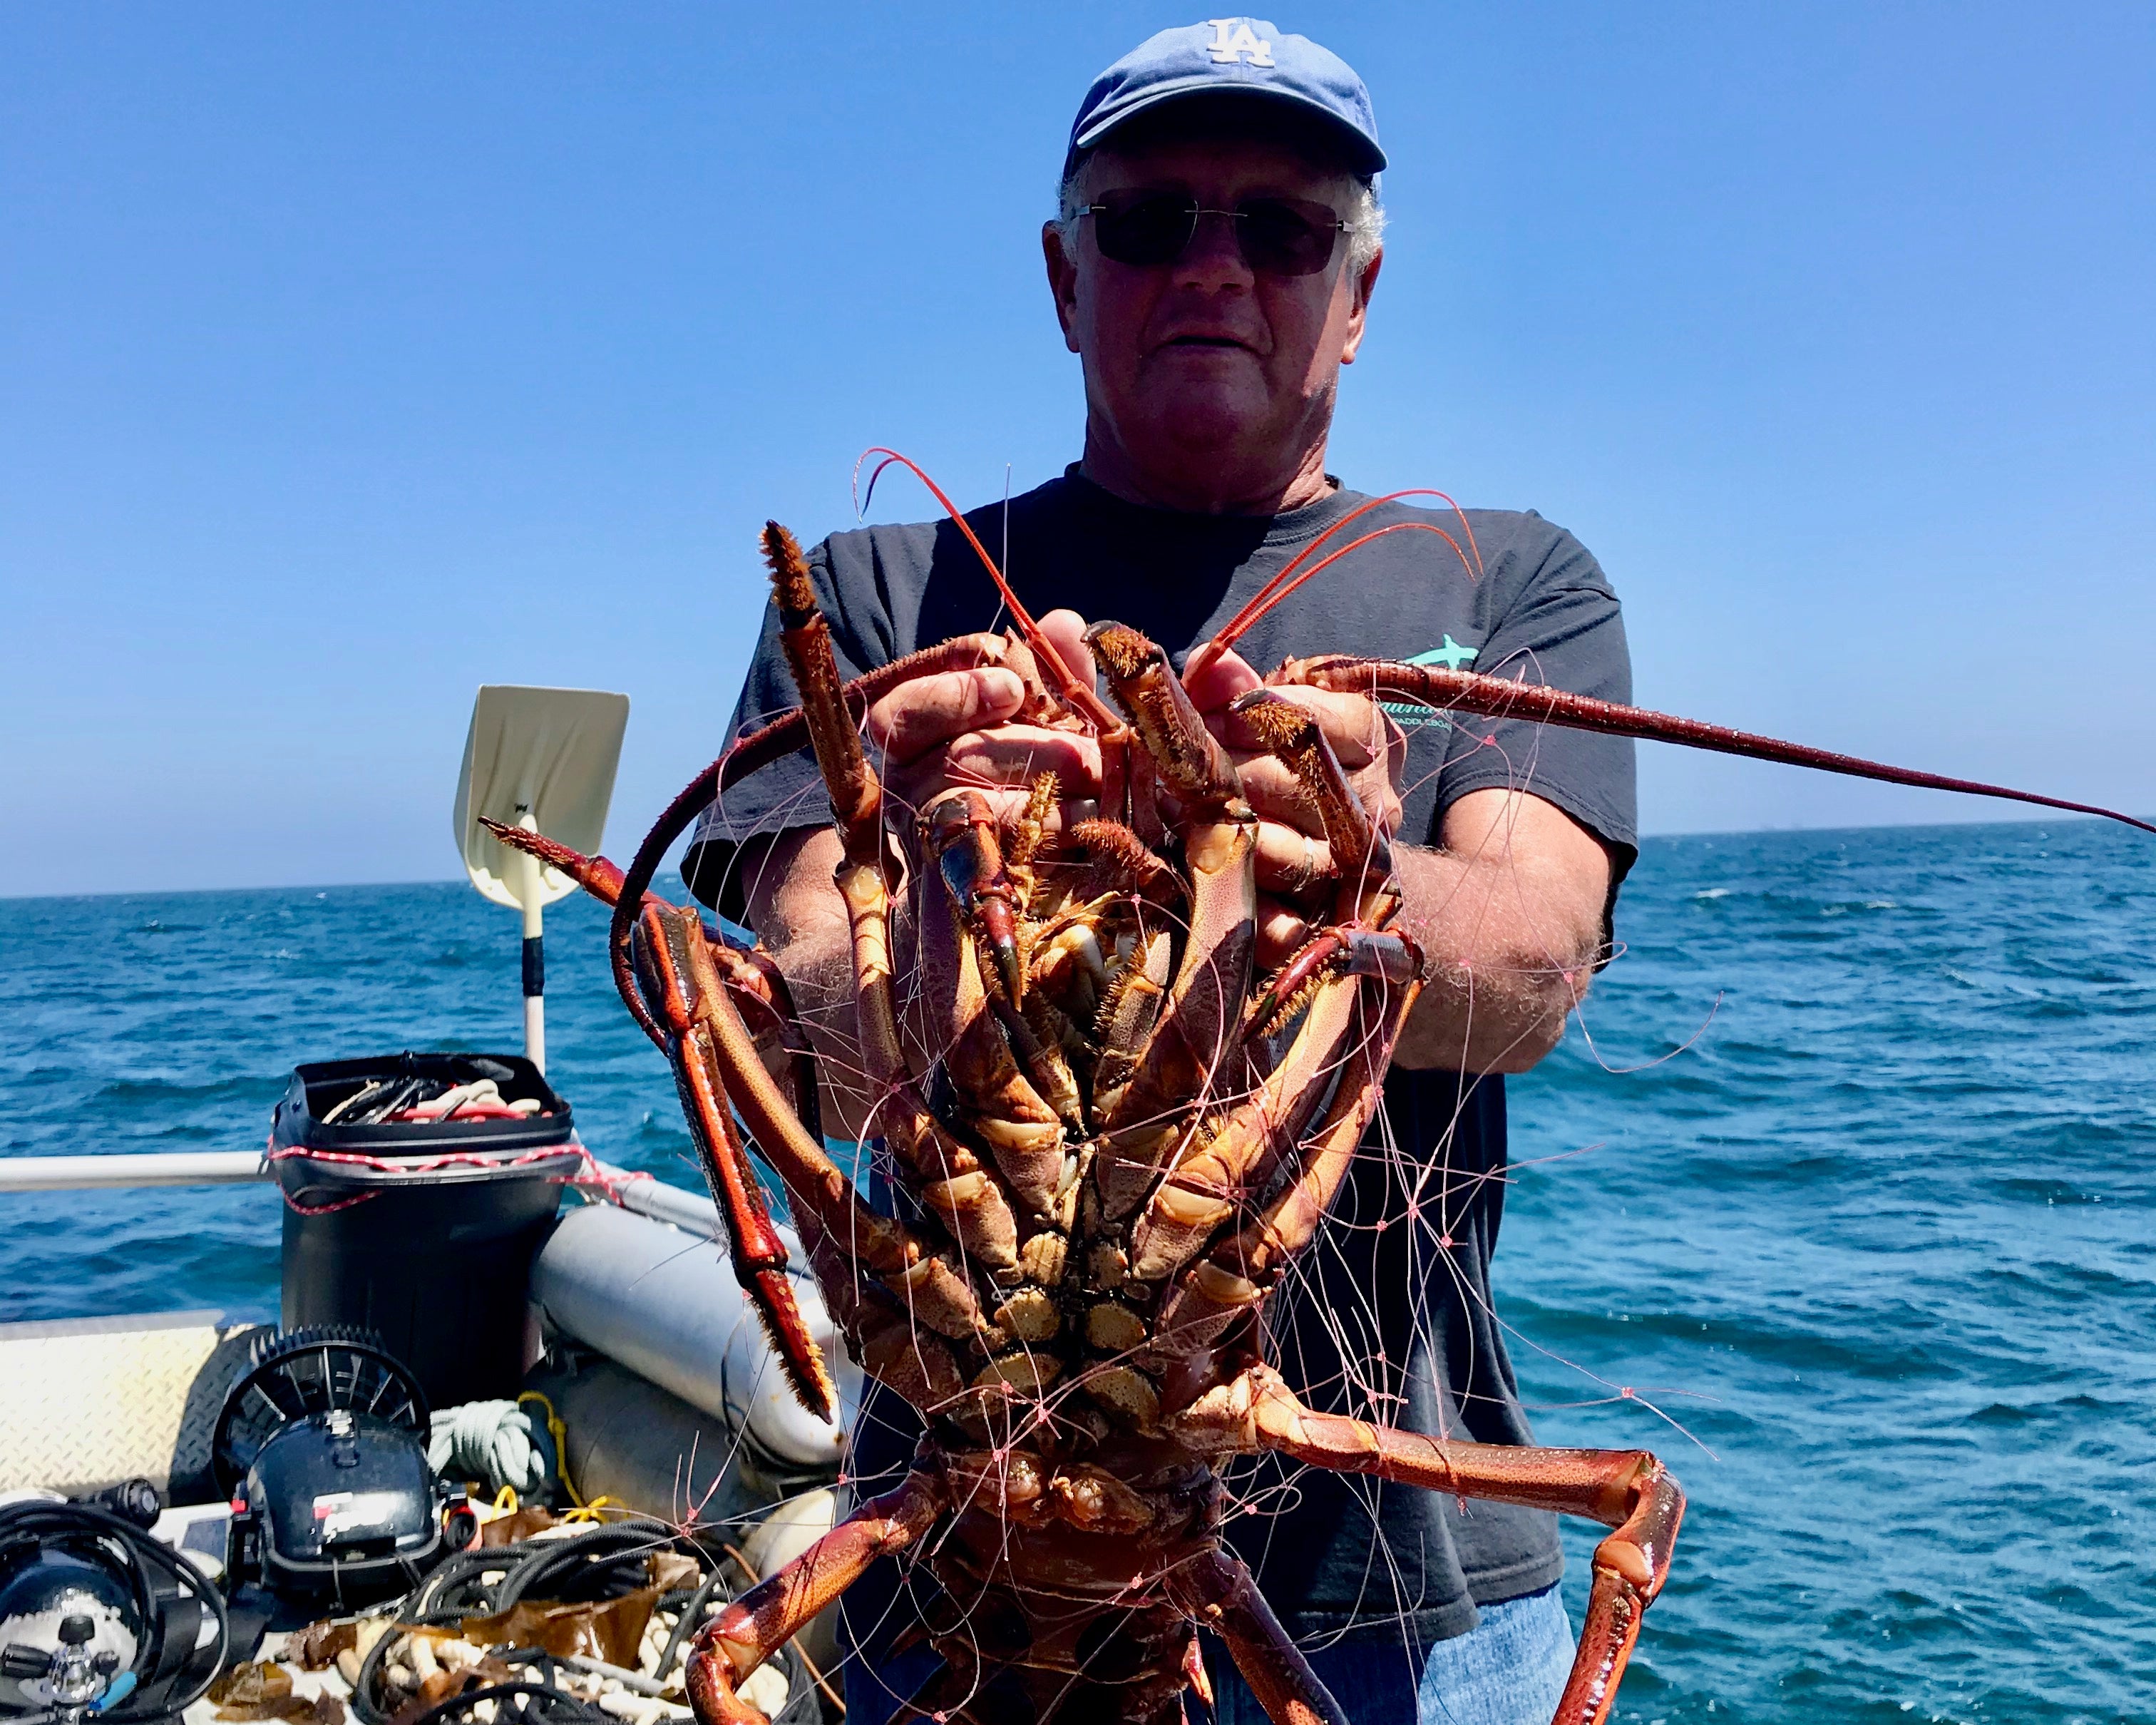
<point x="1365" y="218"/>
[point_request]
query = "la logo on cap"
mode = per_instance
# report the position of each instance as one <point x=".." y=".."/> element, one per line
<point x="1244" y="44"/>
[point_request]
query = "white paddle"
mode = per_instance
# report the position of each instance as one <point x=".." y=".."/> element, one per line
<point x="543" y="759"/>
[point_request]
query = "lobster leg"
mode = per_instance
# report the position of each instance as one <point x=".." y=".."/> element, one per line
<point x="742" y="1636"/>
<point x="666" y="940"/>
<point x="929" y="1288"/>
<point x="1288" y="1223"/>
<point x="1226" y="1287"/>
<point x="960" y="834"/>
<point x="1003" y="1108"/>
<point x="947" y="1176"/>
<point x="1349" y="947"/>
<point x="1022" y="1115"/>
<point x="1204" y="1001"/>
<point x="748" y="972"/>
<point x="1121" y="863"/>
<point x="783" y="1129"/>
<point x="1128" y="1013"/>
<point x="1206" y="1183"/>
<point x="1626" y="1490"/>
<point x="905" y="1356"/>
<point x="1217" y="1590"/>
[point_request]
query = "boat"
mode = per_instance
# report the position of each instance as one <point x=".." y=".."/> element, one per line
<point x="499" y="1357"/>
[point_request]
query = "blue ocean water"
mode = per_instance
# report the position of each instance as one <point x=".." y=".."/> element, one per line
<point x="1879" y="1242"/>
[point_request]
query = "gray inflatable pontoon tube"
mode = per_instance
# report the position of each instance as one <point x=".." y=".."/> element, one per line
<point x="663" y="1302"/>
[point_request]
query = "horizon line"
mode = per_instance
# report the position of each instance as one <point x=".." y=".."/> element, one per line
<point x="322" y="887"/>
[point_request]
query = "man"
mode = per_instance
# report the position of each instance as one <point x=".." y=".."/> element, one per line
<point x="1212" y="266"/>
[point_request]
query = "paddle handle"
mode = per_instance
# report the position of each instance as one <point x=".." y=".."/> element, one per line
<point x="535" y="966"/>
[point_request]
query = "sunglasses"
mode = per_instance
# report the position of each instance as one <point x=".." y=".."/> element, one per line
<point x="1276" y="236"/>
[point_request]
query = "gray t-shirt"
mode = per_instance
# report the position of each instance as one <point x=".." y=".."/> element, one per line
<point x="1391" y="1322"/>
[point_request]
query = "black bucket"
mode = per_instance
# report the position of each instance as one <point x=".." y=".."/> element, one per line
<point x="434" y="1259"/>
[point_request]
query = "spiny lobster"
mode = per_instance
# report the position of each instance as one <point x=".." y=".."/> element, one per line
<point x="1146" y="1133"/>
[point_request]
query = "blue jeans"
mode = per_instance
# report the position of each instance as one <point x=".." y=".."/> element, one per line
<point x="1508" y="1670"/>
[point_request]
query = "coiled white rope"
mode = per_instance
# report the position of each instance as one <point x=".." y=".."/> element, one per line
<point x="497" y="1442"/>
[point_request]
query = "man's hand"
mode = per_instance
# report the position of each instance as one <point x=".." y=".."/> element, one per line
<point x="1297" y="873"/>
<point x="943" y="732"/>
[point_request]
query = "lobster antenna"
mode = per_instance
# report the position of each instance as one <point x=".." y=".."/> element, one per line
<point x="1502" y="698"/>
<point x="1079" y="694"/>
<point x="1282" y="584"/>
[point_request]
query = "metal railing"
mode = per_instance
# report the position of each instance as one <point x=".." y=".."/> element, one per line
<point x="184" y="1167"/>
<point x="645" y="1196"/>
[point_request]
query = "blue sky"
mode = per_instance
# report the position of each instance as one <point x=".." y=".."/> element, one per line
<point x="350" y="358"/>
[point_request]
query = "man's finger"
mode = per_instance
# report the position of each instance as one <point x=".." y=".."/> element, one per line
<point x="1281" y="931"/>
<point x="1292" y="864"/>
<point x="923" y="715"/>
<point x="1275" y="792"/>
<point x="1003" y="756"/>
<point x="1065" y="630"/>
<point x="1220" y="682"/>
<point x="1019" y="754"/>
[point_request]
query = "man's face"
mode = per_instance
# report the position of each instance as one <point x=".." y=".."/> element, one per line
<point x="1202" y="366"/>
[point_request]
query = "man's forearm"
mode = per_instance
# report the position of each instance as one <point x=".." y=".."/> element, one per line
<point x="801" y="921"/>
<point x="819" y="971"/>
<point x="1509" y="931"/>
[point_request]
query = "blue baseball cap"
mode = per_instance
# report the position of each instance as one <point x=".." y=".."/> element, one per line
<point x="1239" y="57"/>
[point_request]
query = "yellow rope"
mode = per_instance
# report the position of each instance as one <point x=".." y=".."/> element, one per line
<point x="590" y="1512"/>
<point x="583" y="1511"/>
<point x="560" y="1434"/>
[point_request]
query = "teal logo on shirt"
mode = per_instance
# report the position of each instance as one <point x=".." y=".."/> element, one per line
<point x="1453" y="657"/>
